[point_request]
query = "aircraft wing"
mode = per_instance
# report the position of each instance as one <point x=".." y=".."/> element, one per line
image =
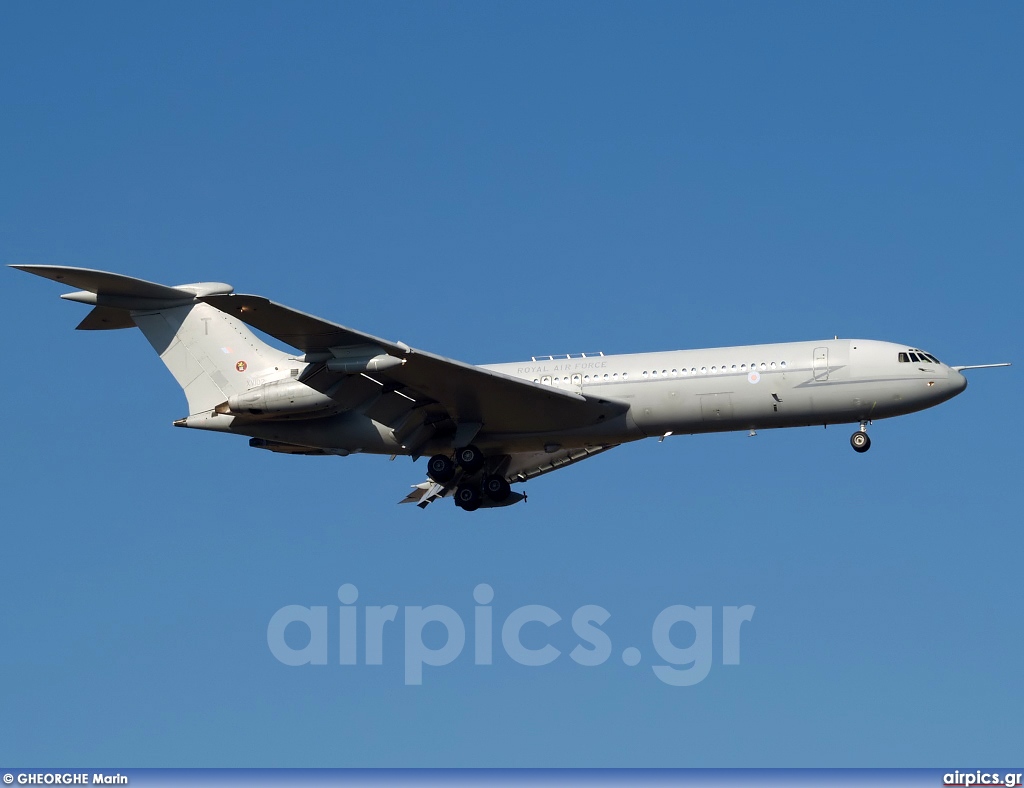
<point x="417" y="394"/>
<point x="522" y="466"/>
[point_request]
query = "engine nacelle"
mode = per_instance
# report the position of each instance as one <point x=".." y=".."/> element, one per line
<point x="354" y="364"/>
<point x="278" y="399"/>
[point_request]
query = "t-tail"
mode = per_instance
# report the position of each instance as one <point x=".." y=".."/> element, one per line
<point x="212" y="355"/>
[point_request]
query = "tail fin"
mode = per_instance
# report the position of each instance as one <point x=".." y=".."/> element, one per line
<point x="211" y="354"/>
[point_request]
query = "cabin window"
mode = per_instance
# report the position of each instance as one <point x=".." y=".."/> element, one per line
<point x="904" y="358"/>
<point x="763" y="365"/>
<point x="783" y="364"/>
<point x="645" y="373"/>
<point x="773" y="365"/>
<point x="625" y="375"/>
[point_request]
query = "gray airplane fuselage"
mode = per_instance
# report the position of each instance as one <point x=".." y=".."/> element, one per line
<point x="749" y="387"/>
<point x="342" y="391"/>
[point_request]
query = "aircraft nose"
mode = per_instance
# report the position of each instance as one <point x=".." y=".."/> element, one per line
<point x="957" y="381"/>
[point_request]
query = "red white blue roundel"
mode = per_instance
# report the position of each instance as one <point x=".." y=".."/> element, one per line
<point x="754" y="377"/>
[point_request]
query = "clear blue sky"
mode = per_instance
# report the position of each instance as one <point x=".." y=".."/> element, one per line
<point x="492" y="182"/>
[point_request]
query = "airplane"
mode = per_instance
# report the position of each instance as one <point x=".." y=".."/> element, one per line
<point x="485" y="428"/>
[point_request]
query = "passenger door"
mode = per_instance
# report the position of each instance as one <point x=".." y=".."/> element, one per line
<point x="820" y="363"/>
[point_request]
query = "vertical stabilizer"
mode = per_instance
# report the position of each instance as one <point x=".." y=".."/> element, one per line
<point x="211" y="354"/>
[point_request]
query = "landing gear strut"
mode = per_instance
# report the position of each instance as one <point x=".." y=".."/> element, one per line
<point x="860" y="440"/>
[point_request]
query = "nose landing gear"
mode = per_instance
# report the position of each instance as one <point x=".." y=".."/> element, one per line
<point x="860" y="440"/>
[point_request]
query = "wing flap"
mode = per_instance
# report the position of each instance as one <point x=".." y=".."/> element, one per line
<point x="522" y="467"/>
<point x="391" y="409"/>
<point x="525" y="466"/>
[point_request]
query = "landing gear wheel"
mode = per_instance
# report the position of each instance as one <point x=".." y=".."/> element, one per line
<point x="496" y="488"/>
<point x="469" y="458"/>
<point x="860" y="441"/>
<point x="441" y="469"/>
<point x="467" y="497"/>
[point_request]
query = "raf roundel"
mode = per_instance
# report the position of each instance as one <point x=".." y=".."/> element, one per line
<point x="241" y="366"/>
<point x="754" y="377"/>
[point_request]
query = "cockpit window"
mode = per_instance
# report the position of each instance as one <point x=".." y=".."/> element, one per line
<point x="918" y="357"/>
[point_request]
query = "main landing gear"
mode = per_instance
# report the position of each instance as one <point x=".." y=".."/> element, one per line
<point x="860" y="440"/>
<point x="470" y="458"/>
<point x="468" y="496"/>
<point x="496" y="488"/>
<point x="440" y="469"/>
<point x="471" y="491"/>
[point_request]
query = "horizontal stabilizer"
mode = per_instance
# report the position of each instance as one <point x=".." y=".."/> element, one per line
<point x="117" y="291"/>
<point x="104" y="282"/>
